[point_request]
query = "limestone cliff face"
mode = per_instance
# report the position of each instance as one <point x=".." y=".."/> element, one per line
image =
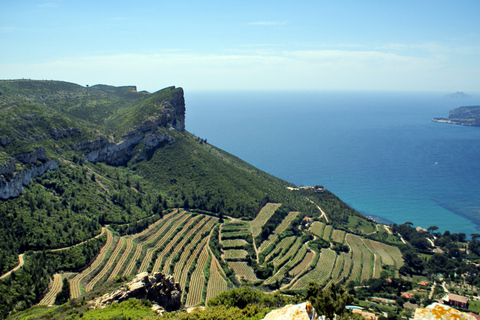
<point x="13" y="187"/>
<point x="140" y="140"/>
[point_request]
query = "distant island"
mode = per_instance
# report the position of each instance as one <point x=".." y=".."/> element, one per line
<point x="465" y="116"/>
<point x="458" y="94"/>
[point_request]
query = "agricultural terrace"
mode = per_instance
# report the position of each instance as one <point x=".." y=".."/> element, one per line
<point x="162" y="236"/>
<point x="175" y="243"/>
<point x="235" y="254"/>
<point x="355" y="243"/>
<point x="280" y="247"/>
<point x="185" y="276"/>
<point x="338" y="236"/>
<point x="320" y="273"/>
<point x="187" y="252"/>
<point x="267" y="211"/>
<point x="347" y="267"/>
<point x="288" y="252"/>
<point x="197" y="281"/>
<point x="108" y="265"/>
<point x="133" y="257"/>
<point x="317" y="228"/>
<point x="243" y="270"/>
<point x="327" y="232"/>
<point x="301" y="261"/>
<point x="75" y="286"/>
<point x="234" y="243"/>
<point x="216" y="283"/>
<point x="55" y="288"/>
<point x="281" y="227"/>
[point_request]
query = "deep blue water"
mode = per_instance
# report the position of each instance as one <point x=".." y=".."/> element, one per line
<point x="379" y="152"/>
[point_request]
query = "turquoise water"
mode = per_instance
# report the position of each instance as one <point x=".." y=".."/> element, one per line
<point x="379" y="152"/>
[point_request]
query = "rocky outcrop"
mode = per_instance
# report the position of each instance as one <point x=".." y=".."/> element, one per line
<point x="438" y="311"/>
<point x="57" y="134"/>
<point x="159" y="288"/>
<point x="32" y="157"/>
<point x="302" y="311"/>
<point x="8" y="168"/>
<point x="13" y="187"/>
<point x="5" y="141"/>
<point x="141" y="139"/>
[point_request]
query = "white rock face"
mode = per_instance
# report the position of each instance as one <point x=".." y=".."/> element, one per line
<point x="292" y="312"/>
<point x="438" y="311"/>
<point x="14" y="187"/>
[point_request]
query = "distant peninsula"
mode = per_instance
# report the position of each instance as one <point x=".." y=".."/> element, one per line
<point x="465" y="116"/>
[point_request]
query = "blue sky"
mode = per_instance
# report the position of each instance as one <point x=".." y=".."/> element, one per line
<point x="245" y="45"/>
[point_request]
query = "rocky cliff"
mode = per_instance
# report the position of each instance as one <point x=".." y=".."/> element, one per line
<point x="13" y="186"/>
<point x="142" y="139"/>
<point x="147" y="124"/>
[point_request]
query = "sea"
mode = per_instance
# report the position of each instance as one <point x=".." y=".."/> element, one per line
<point x="378" y="151"/>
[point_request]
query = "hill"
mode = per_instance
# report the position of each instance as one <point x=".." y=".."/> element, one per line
<point x="100" y="182"/>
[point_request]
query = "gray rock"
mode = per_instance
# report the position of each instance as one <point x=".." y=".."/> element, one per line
<point x="13" y="187"/>
<point x="159" y="288"/>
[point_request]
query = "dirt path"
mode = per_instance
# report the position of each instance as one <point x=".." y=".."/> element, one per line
<point x="19" y="265"/>
<point x="66" y="248"/>
<point x="433" y="289"/>
<point x="323" y="212"/>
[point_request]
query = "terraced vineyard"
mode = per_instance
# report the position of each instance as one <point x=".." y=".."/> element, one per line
<point x="178" y="244"/>
<point x="338" y="236"/>
<point x="235" y="243"/>
<point x="217" y="283"/>
<point x="197" y="280"/>
<point x="281" y="227"/>
<point x="235" y="254"/>
<point x="267" y="211"/>
<point x="317" y="228"/>
<point x="75" y="286"/>
<point x="320" y="273"/>
<point x="243" y="270"/>
<point x="107" y="266"/>
<point x="55" y="288"/>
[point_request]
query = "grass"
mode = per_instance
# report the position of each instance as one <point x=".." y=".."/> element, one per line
<point x="474" y="306"/>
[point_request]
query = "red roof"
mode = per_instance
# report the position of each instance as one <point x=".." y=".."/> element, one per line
<point x="407" y="295"/>
<point x="423" y="283"/>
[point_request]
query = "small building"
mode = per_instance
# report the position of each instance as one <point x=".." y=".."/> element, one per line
<point x="458" y="301"/>
<point x="423" y="283"/>
<point x="407" y="295"/>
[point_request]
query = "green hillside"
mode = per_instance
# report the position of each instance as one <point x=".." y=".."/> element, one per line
<point x="104" y="182"/>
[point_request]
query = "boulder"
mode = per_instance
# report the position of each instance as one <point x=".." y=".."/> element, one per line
<point x="302" y="311"/>
<point x="438" y="311"/>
